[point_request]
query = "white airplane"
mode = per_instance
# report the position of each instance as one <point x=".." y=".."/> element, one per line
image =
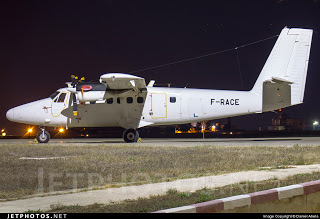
<point x="124" y="100"/>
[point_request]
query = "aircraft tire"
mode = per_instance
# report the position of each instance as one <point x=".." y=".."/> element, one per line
<point x="43" y="138"/>
<point x="130" y="135"/>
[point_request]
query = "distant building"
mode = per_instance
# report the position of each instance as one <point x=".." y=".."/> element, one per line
<point x="282" y="122"/>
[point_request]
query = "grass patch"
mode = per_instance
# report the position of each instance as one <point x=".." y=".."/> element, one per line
<point x="103" y="166"/>
<point x="174" y="198"/>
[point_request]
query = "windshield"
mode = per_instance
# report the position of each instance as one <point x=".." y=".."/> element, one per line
<point x="52" y="96"/>
<point x="61" y="98"/>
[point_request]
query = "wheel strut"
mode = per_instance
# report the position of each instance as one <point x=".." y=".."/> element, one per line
<point x="43" y="136"/>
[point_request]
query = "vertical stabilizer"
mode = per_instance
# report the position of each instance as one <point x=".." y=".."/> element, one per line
<point x="282" y="79"/>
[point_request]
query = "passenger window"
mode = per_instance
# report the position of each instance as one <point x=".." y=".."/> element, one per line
<point x="173" y="99"/>
<point x="110" y="101"/>
<point x="61" y="97"/>
<point x="129" y="100"/>
<point x="118" y="100"/>
<point x="140" y="99"/>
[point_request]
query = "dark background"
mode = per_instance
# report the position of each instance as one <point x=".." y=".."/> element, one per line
<point x="43" y="42"/>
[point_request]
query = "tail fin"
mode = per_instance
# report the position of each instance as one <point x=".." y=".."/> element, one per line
<point x="282" y="79"/>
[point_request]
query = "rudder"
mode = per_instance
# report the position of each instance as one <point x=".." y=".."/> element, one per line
<point x="282" y="79"/>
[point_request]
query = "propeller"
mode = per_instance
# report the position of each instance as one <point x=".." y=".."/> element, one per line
<point x="74" y="81"/>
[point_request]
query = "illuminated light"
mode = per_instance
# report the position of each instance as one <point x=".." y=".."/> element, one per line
<point x="2" y="130"/>
<point x="86" y="88"/>
<point x="315" y="124"/>
<point x="61" y="130"/>
<point x="29" y="130"/>
<point x="4" y="134"/>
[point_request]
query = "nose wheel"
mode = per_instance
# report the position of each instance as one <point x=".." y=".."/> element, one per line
<point x="43" y="136"/>
<point x="130" y="135"/>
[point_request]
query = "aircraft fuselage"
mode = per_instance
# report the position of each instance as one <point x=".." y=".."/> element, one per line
<point x="153" y="106"/>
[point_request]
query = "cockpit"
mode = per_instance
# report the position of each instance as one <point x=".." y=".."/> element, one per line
<point x="58" y="96"/>
<point x="52" y="96"/>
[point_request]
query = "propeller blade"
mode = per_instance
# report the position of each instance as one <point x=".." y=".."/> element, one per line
<point x="75" y="106"/>
<point x="74" y="81"/>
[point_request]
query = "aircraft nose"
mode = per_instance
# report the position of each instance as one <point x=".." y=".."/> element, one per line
<point x="10" y="114"/>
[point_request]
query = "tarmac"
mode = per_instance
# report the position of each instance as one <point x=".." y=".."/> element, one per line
<point x="111" y="195"/>
<point x="178" y="142"/>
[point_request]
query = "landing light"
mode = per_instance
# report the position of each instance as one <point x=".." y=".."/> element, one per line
<point x="29" y="130"/>
<point x="61" y="130"/>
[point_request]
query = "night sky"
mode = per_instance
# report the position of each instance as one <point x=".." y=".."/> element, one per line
<point x="43" y="42"/>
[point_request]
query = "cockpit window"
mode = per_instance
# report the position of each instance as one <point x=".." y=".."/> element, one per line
<point x="52" y="96"/>
<point x="61" y="97"/>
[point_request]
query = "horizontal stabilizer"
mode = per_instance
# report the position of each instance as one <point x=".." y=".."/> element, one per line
<point x="280" y="80"/>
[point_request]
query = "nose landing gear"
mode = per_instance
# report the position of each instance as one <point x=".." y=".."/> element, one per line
<point x="130" y="135"/>
<point x="43" y="136"/>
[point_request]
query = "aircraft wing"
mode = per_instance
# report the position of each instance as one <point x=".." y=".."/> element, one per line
<point x="120" y="81"/>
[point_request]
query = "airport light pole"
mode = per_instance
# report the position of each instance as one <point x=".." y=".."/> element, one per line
<point x="315" y="123"/>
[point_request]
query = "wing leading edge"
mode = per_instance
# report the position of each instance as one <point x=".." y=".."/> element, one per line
<point x="120" y="81"/>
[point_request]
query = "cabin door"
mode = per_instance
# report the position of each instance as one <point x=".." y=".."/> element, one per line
<point x="159" y="105"/>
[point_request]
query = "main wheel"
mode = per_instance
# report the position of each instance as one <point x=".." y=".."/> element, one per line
<point x="130" y="135"/>
<point x="43" y="136"/>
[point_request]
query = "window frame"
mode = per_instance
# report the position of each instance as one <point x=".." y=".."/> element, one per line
<point x="61" y="95"/>
<point x="173" y="99"/>
<point x="109" y="100"/>
<point x="140" y="98"/>
<point x="131" y="100"/>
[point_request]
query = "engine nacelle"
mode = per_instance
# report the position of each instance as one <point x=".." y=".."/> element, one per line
<point x="90" y="96"/>
<point x="89" y="92"/>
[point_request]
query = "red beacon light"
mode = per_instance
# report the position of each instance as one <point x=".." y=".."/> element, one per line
<point x="86" y="88"/>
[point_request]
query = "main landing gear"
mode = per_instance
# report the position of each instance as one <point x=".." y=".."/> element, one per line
<point x="130" y="135"/>
<point x="43" y="136"/>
